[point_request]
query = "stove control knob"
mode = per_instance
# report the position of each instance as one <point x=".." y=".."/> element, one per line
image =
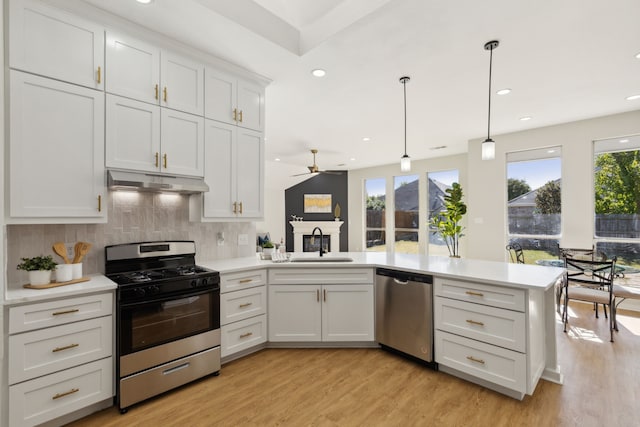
<point x="139" y="292"/>
<point x="194" y="283"/>
<point x="153" y="289"/>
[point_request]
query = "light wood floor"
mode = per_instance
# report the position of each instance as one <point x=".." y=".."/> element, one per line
<point x="357" y="387"/>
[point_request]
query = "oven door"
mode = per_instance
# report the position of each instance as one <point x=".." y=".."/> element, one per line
<point x="150" y="323"/>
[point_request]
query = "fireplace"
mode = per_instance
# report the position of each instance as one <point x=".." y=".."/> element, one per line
<point x="302" y="232"/>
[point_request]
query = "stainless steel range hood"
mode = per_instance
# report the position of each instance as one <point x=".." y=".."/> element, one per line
<point x="140" y="181"/>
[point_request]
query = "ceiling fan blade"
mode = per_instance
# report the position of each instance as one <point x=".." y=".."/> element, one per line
<point x="331" y="172"/>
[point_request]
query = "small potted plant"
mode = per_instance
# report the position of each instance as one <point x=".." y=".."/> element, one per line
<point x="39" y="269"/>
<point x="448" y="222"/>
<point x="268" y="248"/>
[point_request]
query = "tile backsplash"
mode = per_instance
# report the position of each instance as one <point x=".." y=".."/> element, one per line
<point x="132" y="217"/>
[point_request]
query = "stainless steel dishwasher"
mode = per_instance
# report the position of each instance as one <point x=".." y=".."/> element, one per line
<point x="404" y="313"/>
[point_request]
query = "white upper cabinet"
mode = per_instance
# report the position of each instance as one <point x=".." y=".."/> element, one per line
<point x="142" y="71"/>
<point x="132" y="134"/>
<point x="133" y="67"/>
<point x="182" y="143"/>
<point x="53" y="43"/>
<point x="232" y="100"/>
<point x="56" y="146"/>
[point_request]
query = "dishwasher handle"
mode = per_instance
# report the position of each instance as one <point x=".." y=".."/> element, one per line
<point x="400" y="282"/>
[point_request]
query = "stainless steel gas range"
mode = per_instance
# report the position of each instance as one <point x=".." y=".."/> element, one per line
<point x="168" y="318"/>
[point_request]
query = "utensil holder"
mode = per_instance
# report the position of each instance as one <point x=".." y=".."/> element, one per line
<point x="64" y="272"/>
<point x="77" y="270"/>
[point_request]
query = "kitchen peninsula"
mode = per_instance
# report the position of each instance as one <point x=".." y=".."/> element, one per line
<point x="521" y="297"/>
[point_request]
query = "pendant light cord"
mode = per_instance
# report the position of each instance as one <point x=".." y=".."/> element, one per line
<point x="489" y="113"/>
<point x="404" y="87"/>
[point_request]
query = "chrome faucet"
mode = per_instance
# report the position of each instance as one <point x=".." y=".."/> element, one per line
<point x="313" y="234"/>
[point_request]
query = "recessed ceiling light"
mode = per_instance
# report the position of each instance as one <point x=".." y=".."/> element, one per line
<point x="551" y="151"/>
<point x="353" y="159"/>
<point x="144" y="1"/>
<point x="277" y="159"/>
<point x="366" y="139"/>
<point x="638" y="55"/>
<point x="633" y="97"/>
<point x="318" y="72"/>
<point x="504" y="91"/>
<point x="624" y="141"/>
<point x="525" y="118"/>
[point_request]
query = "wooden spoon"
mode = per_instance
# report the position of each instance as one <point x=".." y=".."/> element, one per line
<point x="61" y="250"/>
<point x="81" y="249"/>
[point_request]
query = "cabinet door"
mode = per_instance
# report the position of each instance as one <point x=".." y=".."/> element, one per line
<point x="53" y="43"/>
<point x="56" y="149"/>
<point x="219" y="169"/>
<point x="182" y="84"/>
<point x="250" y="105"/>
<point x="182" y="143"/>
<point x="220" y="96"/>
<point x="294" y="313"/>
<point x="132" y="134"/>
<point x="133" y="68"/>
<point x="347" y="313"/>
<point x="250" y="173"/>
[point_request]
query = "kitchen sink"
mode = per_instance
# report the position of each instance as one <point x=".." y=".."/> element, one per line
<point x="322" y="259"/>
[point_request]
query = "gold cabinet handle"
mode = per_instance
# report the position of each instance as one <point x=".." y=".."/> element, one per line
<point x="240" y="210"/>
<point x="243" y="281"/>
<point x="247" y="304"/>
<point x="473" y="359"/>
<point x="164" y="160"/>
<point x="58" y="313"/>
<point x="318" y="295"/>
<point x="66" y="393"/>
<point x="324" y="295"/>
<point x="240" y="116"/>
<point x="245" y="335"/>
<point x="156" y="91"/>
<point x="475" y="294"/>
<point x="99" y="76"/>
<point x="474" y="322"/>
<point x="157" y="158"/>
<point x="66" y="347"/>
<point x="164" y="94"/>
<point x="235" y="114"/>
<point x="235" y="207"/>
<point x="99" y="203"/>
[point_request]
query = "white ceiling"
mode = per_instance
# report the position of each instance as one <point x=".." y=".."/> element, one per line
<point x="564" y="61"/>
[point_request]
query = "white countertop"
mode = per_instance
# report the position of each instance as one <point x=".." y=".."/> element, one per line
<point x="96" y="283"/>
<point x="491" y="272"/>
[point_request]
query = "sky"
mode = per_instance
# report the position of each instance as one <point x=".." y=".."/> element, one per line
<point x="535" y="172"/>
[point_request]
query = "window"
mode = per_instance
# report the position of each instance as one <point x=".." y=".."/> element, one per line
<point x="406" y="213"/>
<point x="375" y="239"/>
<point x="437" y="184"/>
<point x="534" y="202"/>
<point x="617" y="199"/>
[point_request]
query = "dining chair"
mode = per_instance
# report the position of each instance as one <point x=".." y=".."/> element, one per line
<point x="515" y="253"/>
<point x="621" y="293"/>
<point x="589" y="281"/>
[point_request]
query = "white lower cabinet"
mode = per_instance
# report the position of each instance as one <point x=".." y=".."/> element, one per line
<point x="486" y="334"/>
<point x="320" y="312"/>
<point x="60" y="357"/>
<point x="243" y="307"/>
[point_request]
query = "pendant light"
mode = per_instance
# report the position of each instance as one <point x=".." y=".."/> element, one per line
<point x="489" y="146"/>
<point x="405" y="161"/>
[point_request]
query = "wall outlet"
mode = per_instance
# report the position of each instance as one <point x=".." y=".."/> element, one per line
<point x="71" y="252"/>
<point x="220" y="238"/>
<point x="243" y="239"/>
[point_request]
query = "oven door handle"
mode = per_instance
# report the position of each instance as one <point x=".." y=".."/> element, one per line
<point x="170" y="297"/>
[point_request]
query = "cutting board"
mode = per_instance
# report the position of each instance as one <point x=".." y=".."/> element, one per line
<point x="56" y="284"/>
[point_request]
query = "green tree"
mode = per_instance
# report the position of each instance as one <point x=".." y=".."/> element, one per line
<point x="548" y="198"/>
<point x="447" y="222"/>
<point x="375" y="203"/>
<point x="617" y="183"/>
<point x="516" y="187"/>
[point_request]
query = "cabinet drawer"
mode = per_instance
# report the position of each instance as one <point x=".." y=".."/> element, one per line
<point x="40" y="352"/>
<point x="320" y="276"/>
<point x="243" y="304"/>
<point x="243" y="334"/>
<point x="505" y="328"/>
<point x="52" y="313"/>
<point x="494" y="364"/>
<point x="45" y="398"/>
<point x="242" y="280"/>
<point x="495" y="296"/>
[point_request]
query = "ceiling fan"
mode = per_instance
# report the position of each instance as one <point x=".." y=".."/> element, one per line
<point x="314" y="168"/>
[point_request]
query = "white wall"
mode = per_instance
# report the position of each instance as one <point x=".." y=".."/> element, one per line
<point x="487" y="193"/>
<point x="418" y="167"/>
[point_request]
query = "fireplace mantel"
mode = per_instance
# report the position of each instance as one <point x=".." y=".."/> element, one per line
<point x="329" y="229"/>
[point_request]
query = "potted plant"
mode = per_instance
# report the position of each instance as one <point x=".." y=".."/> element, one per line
<point x="447" y="222"/>
<point x="39" y="269"/>
<point x="268" y="248"/>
